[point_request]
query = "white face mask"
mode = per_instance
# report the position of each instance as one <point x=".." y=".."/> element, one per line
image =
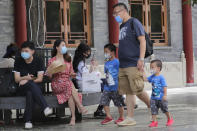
<point x="152" y="71"/>
<point x="107" y="56"/>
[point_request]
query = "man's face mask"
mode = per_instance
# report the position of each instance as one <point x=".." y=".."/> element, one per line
<point x="25" y="55"/>
<point x="118" y="19"/>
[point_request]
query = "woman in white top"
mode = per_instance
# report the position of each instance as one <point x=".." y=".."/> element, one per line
<point x="9" y="57"/>
<point x="8" y="62"/>
<point x="82" y="53"/>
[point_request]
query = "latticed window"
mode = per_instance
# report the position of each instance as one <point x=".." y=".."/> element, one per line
<point x="68" y="20"/>
<point x="153" y="15"/>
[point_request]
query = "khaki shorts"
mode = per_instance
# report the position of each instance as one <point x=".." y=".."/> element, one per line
<point x="130" y="81"/>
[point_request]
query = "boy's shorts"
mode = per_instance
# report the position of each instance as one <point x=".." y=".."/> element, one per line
<point x="107" y="96"/>
<point x="130" y="81"/>
<point x="156" y="104"/>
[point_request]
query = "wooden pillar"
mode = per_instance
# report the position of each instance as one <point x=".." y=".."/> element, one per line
<point x="113" y="25"/>
<point x="20" y="21"/>
<point x="188" y="41"/>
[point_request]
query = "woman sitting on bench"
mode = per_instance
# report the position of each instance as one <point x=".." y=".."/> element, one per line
<point x="62" y="85"/>
<point x="8" y="62"/>
<point x="28" y="73"/>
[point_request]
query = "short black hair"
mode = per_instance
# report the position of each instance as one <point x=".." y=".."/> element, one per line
<point x="11" y="50"/>
<point x="158" y="63"/>
<point x="28" y="44"/>
<point x="111" y="47"/>
<point x="122" y="5"/>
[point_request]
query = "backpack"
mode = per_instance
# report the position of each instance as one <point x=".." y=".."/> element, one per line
<point x="149" y="43"/>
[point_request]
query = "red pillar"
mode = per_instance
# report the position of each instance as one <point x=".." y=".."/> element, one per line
<point x="113" y="25"/>
<point x="20" y="21"/>
<point x="188" y="41"/>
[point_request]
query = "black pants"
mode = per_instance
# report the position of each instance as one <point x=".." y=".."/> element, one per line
<point x="33" y="95"/>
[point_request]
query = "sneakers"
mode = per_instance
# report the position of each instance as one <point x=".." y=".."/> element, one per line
<point x="125" y="107"/>
<point x="28" y="125"/>
<point x="107" y="120"/>
<point x="153" y="124"/>
<point x="127" y="122"/>
<point x="170" y="122"/>
<point x="99" y="114"/>
<point x="48" y="111"/>
<point x="119" y="120"/>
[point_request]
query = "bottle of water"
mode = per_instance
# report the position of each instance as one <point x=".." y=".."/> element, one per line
<point x="110" y="80"/>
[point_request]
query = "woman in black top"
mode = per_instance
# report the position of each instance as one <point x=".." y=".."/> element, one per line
<point x="28" y="73"/>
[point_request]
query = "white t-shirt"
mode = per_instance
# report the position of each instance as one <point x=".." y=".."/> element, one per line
<point x="7" y="63"/>
<point x="82" y="68"/>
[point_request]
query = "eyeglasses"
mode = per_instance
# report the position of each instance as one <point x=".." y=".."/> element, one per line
<point x="117" y="12"/>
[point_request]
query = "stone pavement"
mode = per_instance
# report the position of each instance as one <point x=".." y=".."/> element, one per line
<point x="182" y="105"/>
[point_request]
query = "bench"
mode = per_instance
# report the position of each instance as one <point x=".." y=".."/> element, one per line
<point x="18" y="102"/>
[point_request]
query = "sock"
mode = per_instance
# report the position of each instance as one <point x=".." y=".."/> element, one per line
<point x="100" y="108"/>
<point x="130" y="118"/>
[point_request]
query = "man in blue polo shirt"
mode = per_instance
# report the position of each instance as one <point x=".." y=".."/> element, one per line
<point x="132" y="47"/>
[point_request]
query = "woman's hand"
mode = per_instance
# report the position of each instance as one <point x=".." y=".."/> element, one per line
<point x="73" y="75"/>
<point x="94" y="62"/>
<point x="93" y="66"/>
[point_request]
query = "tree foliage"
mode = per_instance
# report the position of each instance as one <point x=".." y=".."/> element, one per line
<point x="193" y="2"/>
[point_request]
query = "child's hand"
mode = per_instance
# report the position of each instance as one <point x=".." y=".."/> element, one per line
<point x="144" y="76"/>
<point x="165" y="98"/>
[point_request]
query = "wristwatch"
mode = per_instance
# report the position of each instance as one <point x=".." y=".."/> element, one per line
<point x="142" y="59"/>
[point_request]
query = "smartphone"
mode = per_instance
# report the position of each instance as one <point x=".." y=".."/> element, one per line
<point x="93" y="57"/>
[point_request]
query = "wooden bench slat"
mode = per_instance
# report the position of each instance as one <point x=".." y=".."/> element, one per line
<point x="18" y="102"/>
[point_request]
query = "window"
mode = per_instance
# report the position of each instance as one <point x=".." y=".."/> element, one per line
<point x="68" y="20"/>
<point x="153" y="15"/>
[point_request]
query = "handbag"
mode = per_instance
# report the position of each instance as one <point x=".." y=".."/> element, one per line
<point x="74" y="80"/>
<point x="7" y="82"/>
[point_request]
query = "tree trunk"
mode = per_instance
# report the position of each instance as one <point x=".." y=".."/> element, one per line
<point x="35" y="22"/>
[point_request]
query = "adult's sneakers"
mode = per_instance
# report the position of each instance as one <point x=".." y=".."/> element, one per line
<point x="99" y="113"/>
<point x="127" y="122"/>
<point x="48" y="111"/>
<point x="28" y="125"/>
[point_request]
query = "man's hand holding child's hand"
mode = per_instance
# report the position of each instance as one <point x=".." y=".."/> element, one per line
<point x="165" y="98"/>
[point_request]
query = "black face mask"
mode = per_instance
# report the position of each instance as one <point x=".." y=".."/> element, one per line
<point x="88" y="56"/>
